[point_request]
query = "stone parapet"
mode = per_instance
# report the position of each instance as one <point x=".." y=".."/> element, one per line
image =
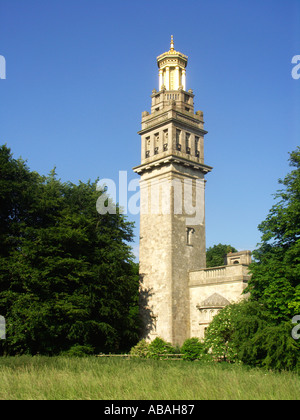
<point x="222" y="274"/>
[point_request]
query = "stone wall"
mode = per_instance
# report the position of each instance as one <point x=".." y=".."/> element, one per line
<point x="225" y="284"/>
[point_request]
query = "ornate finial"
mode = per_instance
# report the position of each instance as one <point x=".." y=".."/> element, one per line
<point x="172" y="43"/>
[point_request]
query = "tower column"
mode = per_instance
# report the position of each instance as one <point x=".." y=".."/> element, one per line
<point x="177" y="77"/>
<point x="167" y="78"/>
<point x="160" y="76"/>
<point x="183" y="79"/>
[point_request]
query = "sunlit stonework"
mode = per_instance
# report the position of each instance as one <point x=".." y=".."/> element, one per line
<point x="178" y="295"/>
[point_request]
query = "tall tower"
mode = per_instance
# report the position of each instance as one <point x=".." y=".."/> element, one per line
<point x="172" y="224"/>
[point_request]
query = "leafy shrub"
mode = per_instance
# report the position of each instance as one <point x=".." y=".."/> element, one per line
<point x="160" y="347"/>
<point x="218" y="336"/>
<point x="192" y="349"/>
<point x="78" y="351"/>
<point x="246" y="332"/>
<point x="274" y="348"/>
<point x="141" y="349"/>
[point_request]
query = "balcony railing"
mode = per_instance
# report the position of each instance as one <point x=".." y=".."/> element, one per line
<point x="230" y="273"/>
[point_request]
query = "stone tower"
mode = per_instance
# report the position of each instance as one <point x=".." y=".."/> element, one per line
<point x="172" y="223"/>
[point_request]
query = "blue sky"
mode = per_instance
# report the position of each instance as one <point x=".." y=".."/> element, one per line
<point x="79" y="73"/>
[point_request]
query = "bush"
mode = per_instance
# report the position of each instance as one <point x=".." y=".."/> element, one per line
<point x="160" y="347"/>
<point x="192" y="349"/>
<point x="246" y="332"/>
<point x="218" y="339"/>
<point x="274" y="348"/>
<point x="141" y="349"/>
<point x="153" y="350"/>
<point x="78" y="351"/>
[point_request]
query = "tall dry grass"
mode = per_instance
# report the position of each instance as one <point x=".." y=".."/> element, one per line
<point x="63" y="378"/>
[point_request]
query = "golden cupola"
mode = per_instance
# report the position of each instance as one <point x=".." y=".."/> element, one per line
<point x="172" y="73"/>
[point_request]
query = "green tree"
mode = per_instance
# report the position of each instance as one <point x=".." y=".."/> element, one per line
<point x="273" y="347"/>
<point x="218" y="340"/>
<point x="17" y="186"/>
<point x="276" y="270"/>
<point x="246" y="332"/>
<point x="70" y="279"/>
<point x="215" y="255"/>
<point x="258" y="332"/>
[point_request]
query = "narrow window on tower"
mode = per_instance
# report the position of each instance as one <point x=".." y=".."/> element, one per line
<point x="187" y="143"/>
<point x="166" y="140"/>
<point x="156" y="144"/>
<point x="154" y="323"/>
<point x="189" y="233"/>
<point x="147" y="147"/>
<point x="197" y="151"/>
<point x="178" y="145"/>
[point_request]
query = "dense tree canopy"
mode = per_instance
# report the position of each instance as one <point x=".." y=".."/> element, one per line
<point x="67" y="276"/>
<point x="276" y="269"/>
<point x="259" y="332"/>
<point x="246" y="332"/>
<point x="215" y="254"/>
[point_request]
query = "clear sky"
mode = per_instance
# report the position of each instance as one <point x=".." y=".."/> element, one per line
<point x="79" y="73"/>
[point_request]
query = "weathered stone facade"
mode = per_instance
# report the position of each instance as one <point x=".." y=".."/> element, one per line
<point x="175" y="285"/>
<point x="211" y="289"/>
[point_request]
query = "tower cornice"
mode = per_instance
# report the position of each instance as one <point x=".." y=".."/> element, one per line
<point x="161" y="120"/>
<point x="171" y="114"/>
<point x="171" y="159"/>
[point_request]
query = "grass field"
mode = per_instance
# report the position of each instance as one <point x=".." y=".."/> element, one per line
<point x="62" y="378"/>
